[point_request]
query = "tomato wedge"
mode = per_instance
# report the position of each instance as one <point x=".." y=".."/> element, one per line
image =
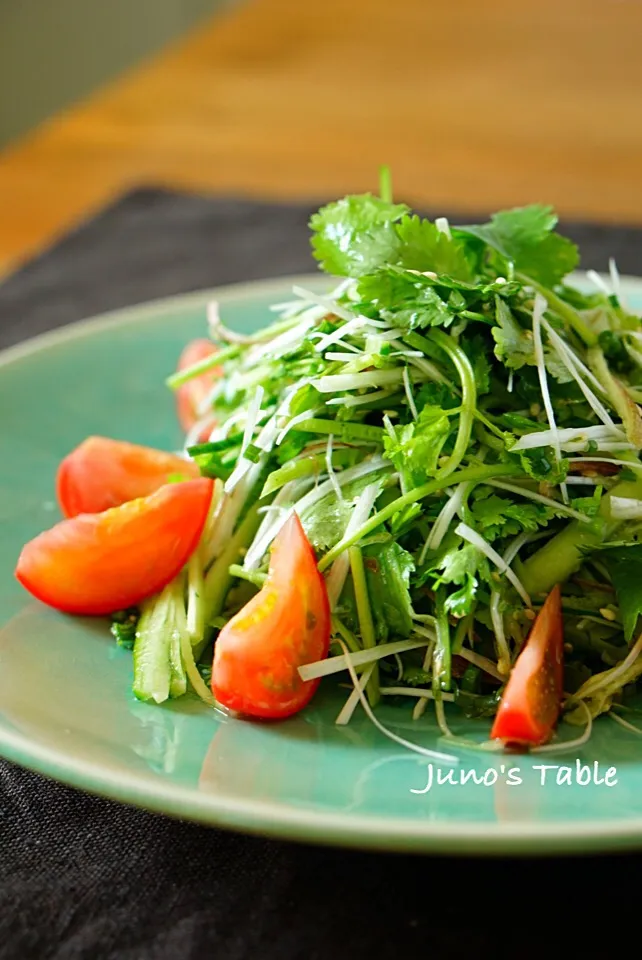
<point x="190" y="395"/>
<point x="95" y="564"/>
<point x="530" y="704"/>
<point x="286" y="624"/>
<point x="102" y="473"/>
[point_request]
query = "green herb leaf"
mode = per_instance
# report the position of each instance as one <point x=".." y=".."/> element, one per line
<point x="462" y="565"/>
<point x="355" y="235"/>
<point x="418" y="445"/>
<point x="514" y="346"/>
<point x="540" y="464"/>
<point x="624" y="565"/>
<point x="476" y="349"/>
<point x="388" y="568"/>
<point x="524" y="237"/>
<point x="425" y="247"/>
<point x="498" y="516"/>
<point x="404" y="299"/>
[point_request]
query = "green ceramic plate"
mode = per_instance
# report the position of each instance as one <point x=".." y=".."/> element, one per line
<point x="65" y="704"/>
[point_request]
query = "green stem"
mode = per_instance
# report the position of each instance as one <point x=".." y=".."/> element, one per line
<point x="152" y="656"/>
<point x="564" y="554"/>
<point x="478" y="473"/>
<point x="305" y="467"/>
<point x="203" y="366"/>
<point x="258" y="579"/>
<point x="460" y="633"/>
<point x="343" y="430"/>
<point x="338" y="626"/>
<point x="468" y="401"/>
<point x="366" y="626"/>
<point x="488" y="439"/>
<point x="565" y="310"/>
<point x="622" y="403"/>
<point x="385" y="184"/>
<point x="488" y="423"/>
<point x="219" y="579"/>
<point x="442" y="672"/>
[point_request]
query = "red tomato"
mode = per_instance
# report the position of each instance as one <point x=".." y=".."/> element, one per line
<point x="530" y="704"/>
<point x="190" y="395"/>
<point x="286" y="624"/>
<point x="103" y="473"/>
<point x="95" y="564"/>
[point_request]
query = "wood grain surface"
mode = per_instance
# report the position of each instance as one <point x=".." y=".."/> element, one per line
<point x="473" y="105"/>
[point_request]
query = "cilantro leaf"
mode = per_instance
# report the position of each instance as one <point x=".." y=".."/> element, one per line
<point x="404" y="299"/>
<point x="519" y="424"/>
<point x="476" y="350"/>
<point x="325" y="521"/>
<point x="462" y="566"/>
<point x="524" y="236"/>
<point x="513" y="345"/>
<point x="436" y="395"/>
<point x="388" y="568"/>
<point x="540" y="464"/>
<point x="418" y="445"/>
<point x="515" y="348"/>
<point x="589" y="505"/>
<point x="425" y="247"/>
<point x="355" y="235"/>
<point x="624" y="565"/>
<point x="496" y="516"/>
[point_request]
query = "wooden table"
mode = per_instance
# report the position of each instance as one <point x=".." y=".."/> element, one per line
<point x="474" y="105"/>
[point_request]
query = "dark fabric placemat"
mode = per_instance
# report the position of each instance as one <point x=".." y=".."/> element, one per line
<point x="82" y="878"/>
<point x="154" y="243"/>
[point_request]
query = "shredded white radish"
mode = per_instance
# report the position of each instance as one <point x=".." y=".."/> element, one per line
<point x="338" y="357"/>
<point x="292" y="422"/>
<point x="598" y="281"/>
<point x="334" y="383"/>
<point x="467" y="533"/>
<point x="264" y="442"/>
<point x="324" y="668"/>
<point x="357" y="401"/>
<point x="259" y="545"/>
<point x="253" y="414"/>
<point x="339" y="570"/>
<point x="573" y="364"/>
<point x="433" y="373"/>
<point x="409" y="396"/>
<point x="605" y="679"/>
<point x="421" y="692"/>
<point x="330" y="468"/>
<point x="543" y="438"/>
<point x="479" y="661"/>
<point x="329" y="303"/>
<point x="539" y="498"/>
<point x="443" y="226"/>
<point x="625" y="508"/>
<point x="354" y="325"/>
<point x="539" y="307"/>
<point x="415" y="747"/>
<point x="345" y="716"/>
<point x="569" y="744"/>
<point x="443" y="521"/>
<point x="504" y="660"/>
<point x="617" y="285"/>
<point x="624" y="723"/>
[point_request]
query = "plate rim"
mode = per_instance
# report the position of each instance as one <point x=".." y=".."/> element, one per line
<point x="268" y="818"/>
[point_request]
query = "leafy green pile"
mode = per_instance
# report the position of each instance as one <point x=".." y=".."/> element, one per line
<point x="456" y="424"/>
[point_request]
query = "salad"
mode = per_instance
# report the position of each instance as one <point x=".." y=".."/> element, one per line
<point x="425" y="483"/>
